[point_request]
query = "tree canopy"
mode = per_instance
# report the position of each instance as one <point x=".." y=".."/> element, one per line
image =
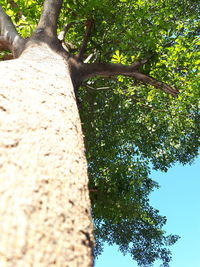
<point x="130" y="124"/>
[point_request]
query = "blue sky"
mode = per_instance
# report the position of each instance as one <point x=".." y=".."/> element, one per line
<point x="178" y="198"/>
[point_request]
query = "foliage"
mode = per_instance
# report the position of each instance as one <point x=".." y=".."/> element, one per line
<point x="130" y="127"/>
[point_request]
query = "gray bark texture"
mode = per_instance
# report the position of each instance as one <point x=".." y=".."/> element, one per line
<point x="44" y="203"/>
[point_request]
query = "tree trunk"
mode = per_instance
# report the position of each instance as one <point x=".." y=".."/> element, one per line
<point x="44" y="203"/>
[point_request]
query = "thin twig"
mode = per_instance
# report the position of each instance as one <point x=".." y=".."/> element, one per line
<point x="89" y="24"/>
<point x="97" y="89"/>
<point x="64" y="31"/>
<point x="88" y="58"/>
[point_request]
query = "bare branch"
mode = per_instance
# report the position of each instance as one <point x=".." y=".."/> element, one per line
<point x="89" y="24"/>
<point x="107" y="70"/>
<point x="96" y="89"/>
<point x="137" y="64"/>
<point x="7" y="29"/>
<point x="4" y="44"/>
<point x="65" y="29"/>
<point x="88" y="58"/>
<point x="10" y="39"/>
<point x="93" y="190"/>
<point x="49" y="18"/>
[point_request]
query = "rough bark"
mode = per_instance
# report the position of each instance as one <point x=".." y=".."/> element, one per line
<point x="44" y="203"/>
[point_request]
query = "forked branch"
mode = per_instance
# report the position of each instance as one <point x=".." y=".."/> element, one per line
<point x="107" y="70"/>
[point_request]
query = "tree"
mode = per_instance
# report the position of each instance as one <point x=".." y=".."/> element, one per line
<point x="132" y="118"/>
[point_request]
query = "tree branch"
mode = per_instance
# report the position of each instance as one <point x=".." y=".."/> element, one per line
<point x="89" y="24"/>
<point x="88" y="58"/>
<point x="4" y="44"/>
<point x="107" y="70"/>
<point x="9" y="38"/>
<point x="49" y="18"/>
<point x="65" y="29"/>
